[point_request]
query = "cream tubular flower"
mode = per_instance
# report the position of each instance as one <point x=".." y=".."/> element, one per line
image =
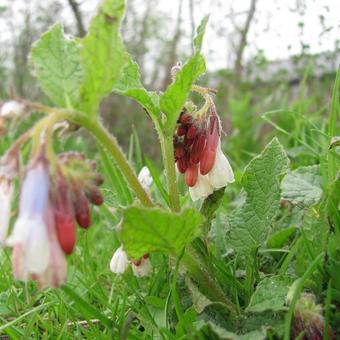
<point x="29" y="238"/>
<point x="221" y="173"/>
<point x="119" y="261"/>
<point x="202" y="188"/>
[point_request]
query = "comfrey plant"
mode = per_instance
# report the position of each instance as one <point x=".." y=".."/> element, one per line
<point x="57" y="190"/>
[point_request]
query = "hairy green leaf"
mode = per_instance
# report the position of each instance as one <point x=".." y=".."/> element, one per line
<point x="103" y="55"/>
<point x="156" y="230"/>
<point x="129" y="84"/>
<point x="250" y="223"/>
<point x="175" y="96"/>
<point x="302" y="186"/>
<point x="56" y="64"/>
<point x="270" y="294"/>
<point x="209" y="330"/>
<point x="200" y="34"/>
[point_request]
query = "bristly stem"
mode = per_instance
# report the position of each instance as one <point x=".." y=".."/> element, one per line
<point x="170" y="171"/>
<point x="111" y="144"/>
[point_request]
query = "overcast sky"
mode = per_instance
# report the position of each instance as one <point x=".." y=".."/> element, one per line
<point x="275" y="29"/>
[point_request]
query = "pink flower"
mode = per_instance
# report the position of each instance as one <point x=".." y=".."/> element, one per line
<point x="36" y="252"/>
<point x="29" y="237"/>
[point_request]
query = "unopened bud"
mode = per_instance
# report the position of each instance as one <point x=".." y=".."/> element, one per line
<point x="12" y="108"/>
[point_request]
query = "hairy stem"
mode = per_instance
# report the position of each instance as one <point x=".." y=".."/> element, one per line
<point x="111" y="144"/>
<point x="170" y="172"/>
<point x="205" y="282"/>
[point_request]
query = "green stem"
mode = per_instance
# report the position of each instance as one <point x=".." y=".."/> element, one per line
<point x="170" y="172"/>
<point x="111" y="144"/>
<point x="204" y="280"/>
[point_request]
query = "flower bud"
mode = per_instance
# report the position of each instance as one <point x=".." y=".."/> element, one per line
<point x="119" y="261"/>
<point x="142" y="267"/>
<point x="82" y="211"/>
<point x="12" y="108"/>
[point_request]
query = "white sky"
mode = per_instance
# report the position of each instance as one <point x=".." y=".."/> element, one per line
<point x="275" y="29"/>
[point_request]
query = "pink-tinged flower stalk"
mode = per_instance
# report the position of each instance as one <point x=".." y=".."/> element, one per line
<point x="199" y="156"/>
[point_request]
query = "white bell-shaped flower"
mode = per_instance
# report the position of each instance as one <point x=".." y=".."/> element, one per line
<point x="145" y="178"/>
<point x="143" y="267"/>
<point x="221" y="173"/>
<point x="29" y="237"/>
<point x="119" y="261"/>
<point x="12" y="108"/>
<point x="202" y="188"/>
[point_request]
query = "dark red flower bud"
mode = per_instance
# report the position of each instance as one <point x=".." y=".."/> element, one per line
<point x="66" y="231"/>
<point x="64" y="215"/>
<point x="192" y="132"/>
<point x="209" y="153"/>
<point x="179" y="151"/>
<point x="181" y="165"/>
<point x="181" y="130"/>
<point x="95" y="196"/>
<point x="82" y="211"/>
<point x="188" y="142"/>
<point x="197" y="149"/>
<point x="99" y="180"/>
<point x="185" y="119"/>
<point x="191" y="175"/>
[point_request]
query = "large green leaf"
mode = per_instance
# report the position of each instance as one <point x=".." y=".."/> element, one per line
<point x="302" y="186"/>
<point x="270" y="294"/>
<point x="156" y="230"/>
<point x="250" y="223"/>
<point x="175" y="96"/>
<point x="56" y="63"/>
<point x="129" y="84"/>
<point x="103" y="55"/>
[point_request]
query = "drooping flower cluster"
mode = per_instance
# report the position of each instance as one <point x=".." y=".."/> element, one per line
<point x="198" y="153"/>
<point x="51" y="202"/>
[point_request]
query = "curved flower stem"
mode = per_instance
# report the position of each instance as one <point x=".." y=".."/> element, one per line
<point x="111" y="144"/>
<point x="108" y="141"/>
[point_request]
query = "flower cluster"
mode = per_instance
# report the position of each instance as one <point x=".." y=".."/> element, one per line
<point x="52" y="199"/>
<point x="198" y="153"/>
